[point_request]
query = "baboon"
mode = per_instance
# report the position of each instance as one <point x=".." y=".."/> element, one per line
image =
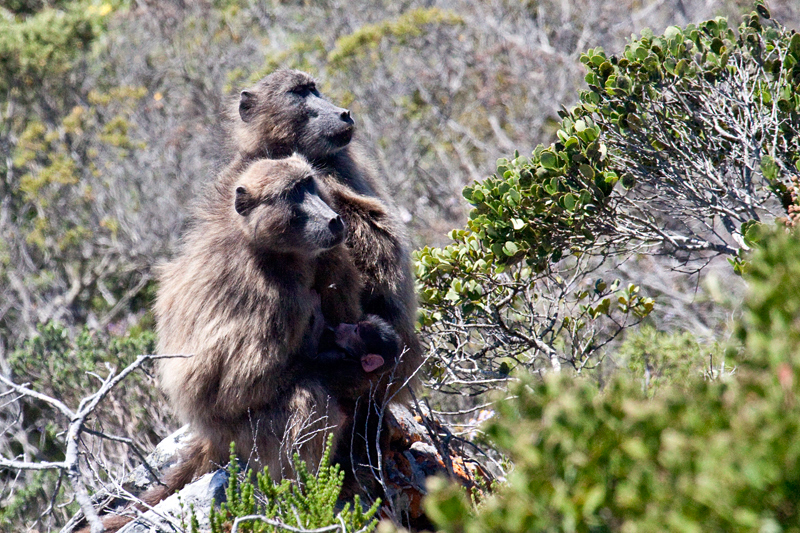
<point x="245" y="313"/>
<point x="349" y="356"/>
<point x="240" y="300"/>
<point x="355" y="363"/>
<point x="284" y="113"/>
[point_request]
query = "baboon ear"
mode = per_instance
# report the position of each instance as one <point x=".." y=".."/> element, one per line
<point x="247" y="105"/>
<point x="371" y="362"/>
<point x="244" y="202"/>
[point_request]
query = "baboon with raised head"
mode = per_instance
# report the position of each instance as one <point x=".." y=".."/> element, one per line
<point x="283" y="114"/>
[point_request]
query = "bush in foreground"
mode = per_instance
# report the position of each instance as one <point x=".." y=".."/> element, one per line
<point x="714" y="455"/>
<point x="306" y="504"/>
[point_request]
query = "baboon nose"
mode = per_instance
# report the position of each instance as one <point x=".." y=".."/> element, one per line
<point x="345" y="114"/>
<point x="336" y="225"/>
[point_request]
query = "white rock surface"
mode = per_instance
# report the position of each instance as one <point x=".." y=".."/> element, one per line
<point x="173" y="513"/>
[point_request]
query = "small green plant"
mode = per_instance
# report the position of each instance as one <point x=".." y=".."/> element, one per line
<point x="308" y="502"/>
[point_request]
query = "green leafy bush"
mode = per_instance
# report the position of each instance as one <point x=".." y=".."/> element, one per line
<point x="307" y="503"/>
<point x="44" y="41"/>
<point x="711" y="455"/>
<point x="660" y="358"/>
<point x="679" y="145"/>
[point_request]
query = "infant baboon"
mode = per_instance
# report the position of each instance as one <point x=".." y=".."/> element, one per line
<point x="350" y="354"/>
<point x="284" y="113"/>
<point x="355" y="362"/>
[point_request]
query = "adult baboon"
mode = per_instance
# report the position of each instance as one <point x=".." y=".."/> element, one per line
<point x="283" y="114"/>
<point x="240" y="300"/>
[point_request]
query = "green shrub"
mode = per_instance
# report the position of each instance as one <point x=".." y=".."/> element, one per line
<point x="660" y="358"/>
<point x="308" y="503"/>
<point x="712" y="455"/>
<point x="676" y="136"/>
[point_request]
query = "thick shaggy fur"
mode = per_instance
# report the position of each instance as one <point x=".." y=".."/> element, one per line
<point x="241" y="302"/>
<point x="239" y="299"/>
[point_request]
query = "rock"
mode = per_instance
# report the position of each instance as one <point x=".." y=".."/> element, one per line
<point x="177" y="508"/>
<point x="420" y="447"/>
<point x="164" y="457"/>
<point x="140" y="479"/>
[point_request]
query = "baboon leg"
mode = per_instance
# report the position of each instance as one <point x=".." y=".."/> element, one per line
<point x="314" y="416"/>
<point x="299" y="424"/>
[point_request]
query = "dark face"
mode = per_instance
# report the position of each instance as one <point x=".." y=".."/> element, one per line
<point x="371" y="335"/>
<point x="282" y="208"/>
<point x="290" y="115"/>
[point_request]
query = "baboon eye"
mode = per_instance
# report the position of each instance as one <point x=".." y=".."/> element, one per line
<point x="303" y="185"/>
<point x="301" y="90"/>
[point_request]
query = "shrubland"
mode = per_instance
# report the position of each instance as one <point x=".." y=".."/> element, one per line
<point x="681" y="149"/>
<point x="706" y="452"/>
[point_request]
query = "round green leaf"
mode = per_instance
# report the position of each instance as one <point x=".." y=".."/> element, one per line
<point x="548" y="160"/>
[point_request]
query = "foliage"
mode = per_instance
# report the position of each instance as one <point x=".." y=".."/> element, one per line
<point x="42" y="42"/>
<point x="769" y="328"/>
<point x="60" y="366"/>
<point x="678" y="146"/>
<point x="407" y="26"/>
<point x="712" y="455"/>
<point x="57" y="365"/>
<point x="69" y="250"/>
<point x="675" y="359"/>
<point x="705" y="122"/>
<point x="307" y="503"/>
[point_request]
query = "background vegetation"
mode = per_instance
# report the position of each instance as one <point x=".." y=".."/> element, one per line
<point x="629" y="168"/>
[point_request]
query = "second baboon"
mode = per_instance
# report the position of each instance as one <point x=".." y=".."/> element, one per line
<point x="240" y="303"/>
<point x="240" y="298"/>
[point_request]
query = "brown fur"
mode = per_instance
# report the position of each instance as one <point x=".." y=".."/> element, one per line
<point x="241" y="303"/>
<point x="273" y="121"/>
<point x="241" y="299"/>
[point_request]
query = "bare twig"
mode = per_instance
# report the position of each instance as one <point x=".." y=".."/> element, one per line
<point x="71" y="463"/>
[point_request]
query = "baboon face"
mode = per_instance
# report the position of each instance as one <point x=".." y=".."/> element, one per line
<point x="281" y="209"/>
<point x="371" y="341"/>
<point x="285" y="112"/>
